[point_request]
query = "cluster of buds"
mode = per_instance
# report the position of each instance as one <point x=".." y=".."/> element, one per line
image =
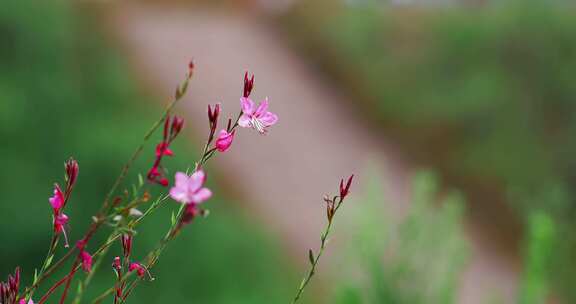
<point x="59" y="199"/>
<point x="118" y="263"/>
<point x="172" y="127"/>
<point x="225" y="136"/>
<point x="9" y="289"/>
<point x="332" y="204"/>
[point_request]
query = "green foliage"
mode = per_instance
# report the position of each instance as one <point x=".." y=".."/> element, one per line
<point x="415" y="260"/>
<point x="64" y="91"/>
<point x="540" y="243"/>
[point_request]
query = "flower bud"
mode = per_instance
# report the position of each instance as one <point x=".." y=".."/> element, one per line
<point x="344" y="190"/>
<point x="127" y="244"/>
<point x="116" y="264"/>
<point x="71" y="172"/>
<point x="248" y="84"/>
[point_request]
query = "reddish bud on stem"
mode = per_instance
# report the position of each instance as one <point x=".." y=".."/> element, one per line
<point x="248" y="84"/>
<point x="344" y="190"/>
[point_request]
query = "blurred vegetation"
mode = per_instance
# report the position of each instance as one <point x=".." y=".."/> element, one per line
<point x="424" y="253"/>
<point x="541" y="238"/>
<point x="65" y="92"/>
<point x="485" y="94"/>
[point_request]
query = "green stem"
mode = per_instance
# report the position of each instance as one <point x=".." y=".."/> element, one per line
<point x="316" y="259"/>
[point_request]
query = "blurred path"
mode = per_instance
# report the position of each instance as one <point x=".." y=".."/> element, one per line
<point x="315" y="142"/>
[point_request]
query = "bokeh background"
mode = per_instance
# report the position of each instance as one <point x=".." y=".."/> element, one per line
<point x="457" y="117"/>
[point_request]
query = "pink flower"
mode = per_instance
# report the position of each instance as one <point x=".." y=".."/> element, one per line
<point x="60" y="221"/>
<point x="224" y="140"/>
<point x="86" y="261"/>
<point x="117" y="264"/>
<point x="189" y="189"/>
<point x="57" y="200"/>
<point x="23" y="301"/>
<point x="259" y="119"/>
<point x="140" y="270"/>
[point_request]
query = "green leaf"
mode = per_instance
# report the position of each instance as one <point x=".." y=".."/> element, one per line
<point x="35" y="276"/>
<point x="173" y="219"/>
<point x="311" y="256"/>
<point x="49" y="260"/>
<point x="140" y="180"/>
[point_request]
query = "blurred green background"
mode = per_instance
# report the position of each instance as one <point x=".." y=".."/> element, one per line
<point x="481" y="92"/>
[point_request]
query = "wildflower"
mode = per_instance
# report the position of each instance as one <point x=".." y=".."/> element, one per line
<point x="23" y="301"/>
<point x="189" y="189"/>
<point x="86" y="260"/>
<point x="59" y="222"/>
<point x="140" y="270"/>
<point x="57" y="201"/>
<point x="259" y="119"/>
<point x="224" y="140"/>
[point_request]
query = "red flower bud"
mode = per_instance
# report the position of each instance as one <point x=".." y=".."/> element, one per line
<point x="248" y="84"/>
<point x="127" y="244"/>
<point x="72" y="169"/>
<point x="177" y="123"/>
<point x="116" y="264"/>
<point x="164" y="182"/>
<point x="344" y="190"/>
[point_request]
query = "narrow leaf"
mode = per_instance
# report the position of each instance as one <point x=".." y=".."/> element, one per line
<point x="173" y="219"/>
<point x="311" y="256"/>
<point x="49" y="260"/>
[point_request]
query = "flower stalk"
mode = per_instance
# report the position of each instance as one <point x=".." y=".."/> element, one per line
<point x="332" y="206"/>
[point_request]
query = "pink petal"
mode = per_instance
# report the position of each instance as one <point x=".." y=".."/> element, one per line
<point x="196" y="181"/>
<point x="181" y="180"/>
<point x="269" y="119"/>
<point x="180" y="195"/>
<point x="201" y="195"/>
<point x="224" y="140"/>
<point x="262" y="108"/>
<point x="247" y="105"/>
<point x="244" y="121"/>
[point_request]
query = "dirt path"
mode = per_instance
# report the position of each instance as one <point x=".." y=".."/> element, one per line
<point x="314" y="118"/>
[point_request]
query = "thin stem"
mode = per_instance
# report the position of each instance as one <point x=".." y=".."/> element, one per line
<point x="316" y="259"/>
<point x="45" y="264"/>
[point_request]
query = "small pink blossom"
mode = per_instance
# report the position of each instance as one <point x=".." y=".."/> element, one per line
<point x="57" y="200"/>
<point x="163" y="149"/>
<point x="86" y="260"/>
<point x="23" y="301"/>
<point x="189" y="189"/>
<point x="224" y="140"/>
<point x="60" y="221"/>
<point x="257" y="118"/>
<point x="140" y="270"/>
<point x="116" y="264"/>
